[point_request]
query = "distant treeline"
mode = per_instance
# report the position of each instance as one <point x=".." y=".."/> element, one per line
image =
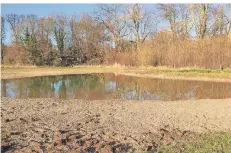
<point x="198" y="35"/>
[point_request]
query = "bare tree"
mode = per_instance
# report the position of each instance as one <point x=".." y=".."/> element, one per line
<point x="64" y="41"/>
<point x="113" y="18"/>
<point x="14" y="20"/>
<point x="91" y="35"/>
<point x="72" y="24"/>
<point x="184" y="23"/>
<point x="170" y="13"/>
<point x="59" y="29"/>
<point x="44" y="32"/>
<point x="178" y="16"/>
<point x="200" y="16"/>
<point x="2" y="37"/>
<point x="222" y="23"/>
<point x="27" y="23"/>
<point x="33" y="22"/>
<point x="74" y="54"/>
<point x="44" y="36"/>
<point x="29" y="38"/>
<point x="45" y="26"/>
<point x="140" y="23"/>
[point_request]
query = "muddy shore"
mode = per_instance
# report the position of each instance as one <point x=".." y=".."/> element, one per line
<point x="49" y="125"/>
<point x="12" y="74"/>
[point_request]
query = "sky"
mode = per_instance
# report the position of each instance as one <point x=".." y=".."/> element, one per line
<point x="46" y="9"/>
<point x="43" y="10"/>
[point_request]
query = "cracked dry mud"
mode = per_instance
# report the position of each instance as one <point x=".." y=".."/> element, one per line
<point x="50" y="125"/>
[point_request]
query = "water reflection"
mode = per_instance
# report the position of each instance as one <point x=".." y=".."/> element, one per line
<point x="110" y="86"/>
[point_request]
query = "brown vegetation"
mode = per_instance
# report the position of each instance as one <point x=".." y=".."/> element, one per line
<point x="205" y="53"/>
<point x="198" y="36"/>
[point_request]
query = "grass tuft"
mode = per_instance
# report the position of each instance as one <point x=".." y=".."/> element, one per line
<point x="206" y="143"/>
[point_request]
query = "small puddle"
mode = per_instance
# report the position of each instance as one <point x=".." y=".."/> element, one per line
<point x="111" y="86"/>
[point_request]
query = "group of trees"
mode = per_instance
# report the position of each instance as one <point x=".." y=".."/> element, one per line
<point x="114" y="30"/>
<point x="55" y="40"/>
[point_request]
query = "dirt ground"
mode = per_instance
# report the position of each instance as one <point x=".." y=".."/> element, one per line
<point x="179" y="77"/>
<point x="52" y="125"/>
<point x="11" y="73"/>
<point x="21" y="74"/>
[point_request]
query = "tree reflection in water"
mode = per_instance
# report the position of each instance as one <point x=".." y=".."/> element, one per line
<point x="110" y="86"/>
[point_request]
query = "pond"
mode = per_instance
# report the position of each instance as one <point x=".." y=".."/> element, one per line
<point x="111" y="86"/>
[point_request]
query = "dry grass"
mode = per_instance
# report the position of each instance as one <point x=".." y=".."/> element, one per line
<point x="150" y="70"/>
<point x="162" y="50"/>
<point x="208" y="53"/>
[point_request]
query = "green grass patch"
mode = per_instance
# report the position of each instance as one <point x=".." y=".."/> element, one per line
<point x="205" y="71"/>
<point x="207" y="143"/>
<point x="144" y="70"/>
<point x="211" y="143"/>
<point x="190" y="72"/>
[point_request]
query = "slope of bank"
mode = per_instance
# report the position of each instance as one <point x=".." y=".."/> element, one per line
<point x="150" y="72"/>
<point x="109" y="125"/>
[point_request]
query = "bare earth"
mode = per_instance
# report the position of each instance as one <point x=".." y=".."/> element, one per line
<point x="11" y="74"/>
<point x="178" y="77"/>
<point x="51" y="125"/>
<point x="45" y="125"/>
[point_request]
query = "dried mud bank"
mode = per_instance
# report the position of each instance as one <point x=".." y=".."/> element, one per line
<point x="178" y="77"/>
<point x="49" y="125"/>
<point x="14" y="75"/>
<point x="137" y="73"/>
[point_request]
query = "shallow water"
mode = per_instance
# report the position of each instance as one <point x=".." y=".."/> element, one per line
<point x="111" y="86"/>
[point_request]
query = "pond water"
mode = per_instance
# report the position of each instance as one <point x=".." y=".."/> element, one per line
<point x="111" y="86"/>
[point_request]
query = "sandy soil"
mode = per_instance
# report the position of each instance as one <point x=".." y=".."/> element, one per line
<point x="45" y="125"/>
<point x="13" y="75"/>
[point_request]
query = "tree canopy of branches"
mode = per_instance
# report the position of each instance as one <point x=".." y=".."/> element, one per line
<point x="189" y="34"/>
<point x="140" y="24"/>
<point x="112" y="17"/>
<point x="2" y="37"/>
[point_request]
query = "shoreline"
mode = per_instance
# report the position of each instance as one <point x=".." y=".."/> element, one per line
<point x="174" y="77"/>
<point x="78" y="125"/>
<point x="36" y="72"/>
